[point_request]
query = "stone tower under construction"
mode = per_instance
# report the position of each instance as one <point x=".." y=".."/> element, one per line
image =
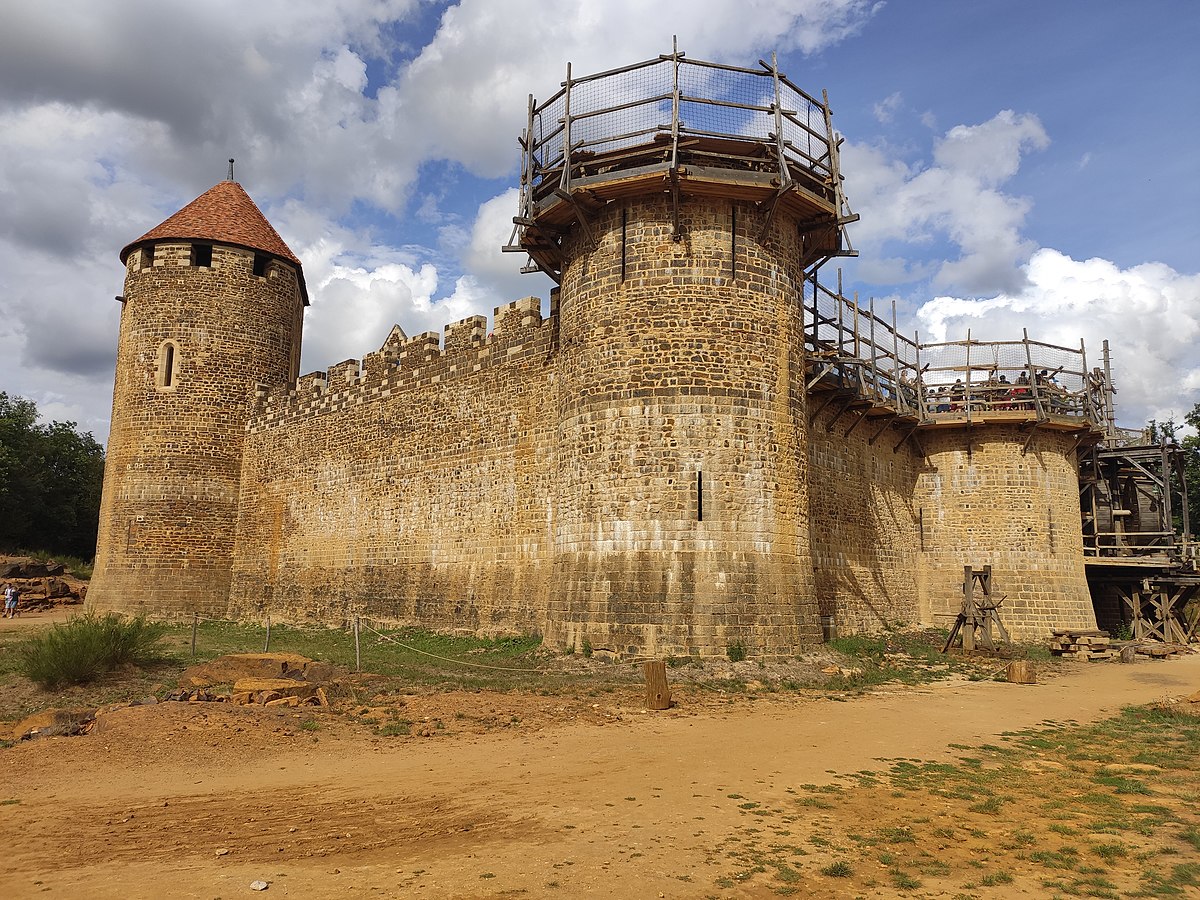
<point x="681" y="247"/>
<point x="213" y="307"/>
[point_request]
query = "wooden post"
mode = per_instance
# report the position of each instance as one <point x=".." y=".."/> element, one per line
<point x="1128" y="653"/>
<point x="658" y="693"/>
<point x="195" y="626"/>
<point x="969" y="611"/>
<point x="267" y="642"/>
<point x="357" y="648"/>
<point x="1021" y="671"/>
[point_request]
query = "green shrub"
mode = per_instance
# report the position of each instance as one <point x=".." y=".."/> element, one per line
<point x="89" y="646"/>
<point x="736" y="651"/>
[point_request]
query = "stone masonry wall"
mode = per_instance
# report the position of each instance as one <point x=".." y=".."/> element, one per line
<point x="865" y="536"/>
<point x="172" y="473"/>
<point x="682" y="500"/>
<point x="1017" y="512"/>
<point x="415" y="487"/>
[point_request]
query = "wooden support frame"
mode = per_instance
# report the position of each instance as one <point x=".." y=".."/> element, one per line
<point x="887" y="423"/>
<point x="862" y="417"/>
<point x="980" y="612"/>
<point x="812" y="417"/>
<point x="841" y="412"/>
<point x="1155" y="608"/>
<point x="912" y="429"/>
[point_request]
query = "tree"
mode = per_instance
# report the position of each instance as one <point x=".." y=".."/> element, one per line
<point x="50" y="481"/>
<point x="1191" y="466"/>
<point x="1189" y="447"/>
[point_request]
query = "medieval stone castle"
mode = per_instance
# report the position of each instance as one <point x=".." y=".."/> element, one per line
<point x="699" y="445"/>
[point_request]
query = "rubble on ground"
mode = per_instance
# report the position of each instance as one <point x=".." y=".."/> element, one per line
<point x="248" y="679"/>
<point x="43" y="584"/>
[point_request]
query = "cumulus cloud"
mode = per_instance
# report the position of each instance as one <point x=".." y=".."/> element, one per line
<point x="465" y="94"/>
<point x="1150" y="314"/>
<point x="955" y="198"/>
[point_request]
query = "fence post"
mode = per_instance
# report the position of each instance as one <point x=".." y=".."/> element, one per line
<point x="195" y="625"/>
<point x="357" y="651"/>
<point x="267" y="642"/>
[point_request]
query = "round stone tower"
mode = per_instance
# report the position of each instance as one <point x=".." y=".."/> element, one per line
<point x="681" y="518"/>
<point x="1003" y="491"/>
<point x="213" y="307"/>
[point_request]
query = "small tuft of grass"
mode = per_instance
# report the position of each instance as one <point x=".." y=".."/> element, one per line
<point x="904" y="881"/>
<point x="736" y="651"/>
<point x="838" y="870"/>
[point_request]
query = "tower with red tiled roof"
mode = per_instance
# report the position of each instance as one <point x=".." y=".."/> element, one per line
<point x="213" y="308"/>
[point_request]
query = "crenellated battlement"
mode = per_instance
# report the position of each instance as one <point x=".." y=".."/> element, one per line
<point x="174" y="254"/>
<point x="403" y="363"/>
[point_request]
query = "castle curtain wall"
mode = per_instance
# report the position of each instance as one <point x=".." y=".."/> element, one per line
<point x="865" y="534"/>
<point x="415" y="491"/>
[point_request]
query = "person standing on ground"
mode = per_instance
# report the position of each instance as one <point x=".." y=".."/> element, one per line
<point x="10" y="601"/>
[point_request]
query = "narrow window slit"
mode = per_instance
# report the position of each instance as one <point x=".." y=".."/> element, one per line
<point x="624" y="236"/>
<point x="733" y="240"/>
<point x="699" y="496"/>
<point x="168" y="366"/>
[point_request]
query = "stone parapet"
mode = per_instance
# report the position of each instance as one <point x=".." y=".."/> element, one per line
<point x="410" y="363"/>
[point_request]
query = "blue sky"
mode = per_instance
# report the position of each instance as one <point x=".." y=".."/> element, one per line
<point x="1017" y="164"/>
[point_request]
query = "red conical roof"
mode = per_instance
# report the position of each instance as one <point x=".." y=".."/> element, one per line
<point x="224" y="214"/>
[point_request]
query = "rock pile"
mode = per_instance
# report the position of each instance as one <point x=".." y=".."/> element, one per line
<point x="257" y="691"/>
<point x="265" y="679"/>
<point x="42" y="584"/>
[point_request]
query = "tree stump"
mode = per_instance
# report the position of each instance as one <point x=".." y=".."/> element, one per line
<point x="658" y="694"/>
<point x="1021" y="671"/>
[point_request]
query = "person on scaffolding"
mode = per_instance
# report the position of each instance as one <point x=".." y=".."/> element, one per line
<point x="1020" y="393"/>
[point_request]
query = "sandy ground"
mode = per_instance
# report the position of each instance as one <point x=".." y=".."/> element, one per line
<point x="200" y="800"/>
<point x="36" y="618"/>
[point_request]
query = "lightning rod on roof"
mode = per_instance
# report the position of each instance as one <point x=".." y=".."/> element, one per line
<point x="230" y="177"/>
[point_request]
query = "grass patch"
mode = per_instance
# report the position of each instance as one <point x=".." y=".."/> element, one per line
<point x="79" y="568"/>
<point x="992" y="879"/>
<point x="89" y="646"/>
<point x="838" y="870"/>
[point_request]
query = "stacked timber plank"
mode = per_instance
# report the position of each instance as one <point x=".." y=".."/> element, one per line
<point x="1076" y="644"/>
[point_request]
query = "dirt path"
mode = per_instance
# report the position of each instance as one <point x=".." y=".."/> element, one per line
<point x="31" y="619"/>
<point x="147" y="805"/>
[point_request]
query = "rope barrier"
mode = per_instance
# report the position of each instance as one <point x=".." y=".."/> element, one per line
<point x="391" y="640"/>
<point x="460" y="662"/>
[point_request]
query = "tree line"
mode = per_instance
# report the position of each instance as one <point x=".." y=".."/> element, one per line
<point x="1190" y="445"/>
<point x="50" y="481"/>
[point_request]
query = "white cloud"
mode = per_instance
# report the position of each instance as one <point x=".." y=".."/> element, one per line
<point x="1150" y="314"/>
<point x="955" y="199"/>
<point x="464" y="96"/>
<point x="885" y="110"/>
